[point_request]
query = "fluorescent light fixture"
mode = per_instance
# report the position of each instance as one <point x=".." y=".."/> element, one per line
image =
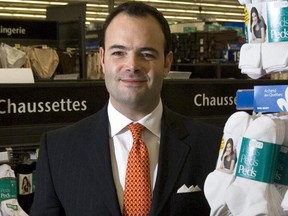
<point x="180" y="17"/>
<point x="97" y="5"/>
<point x="100" y="10"/>
<point x="96" y="13"/>
<point x="22" y="9"/>
<point x="95" y="19"/>
<point x="229" y="20"/>
<point x="222" y="13"/>
<point x="193" y="3"/>
<point x="35" y="2"/>
<point x="198" y="12"/>
<point x="22" y="15"/>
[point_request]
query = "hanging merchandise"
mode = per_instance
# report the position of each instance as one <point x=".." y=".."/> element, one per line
<point x="266" y="48"/>
<point x="10" y="57"/>
<point x="9" y="203"/>
<point x="253" y="188"/>
<point x="67" y="61"/>
<point x="281" y="176"/>
<point x="251" y="66"/>
<point x="251" y="175"/>
<point x="272" y="63"/>
<point x="44" y="61"/>
<point x="94" y="69"/>
<point x="26" y="183"/>
<point x="215" y="187"/>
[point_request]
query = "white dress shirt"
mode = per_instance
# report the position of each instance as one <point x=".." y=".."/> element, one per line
<point x="121" y="141"/>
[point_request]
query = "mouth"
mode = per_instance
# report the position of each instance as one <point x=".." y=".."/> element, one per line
<point x="133" y="82"/>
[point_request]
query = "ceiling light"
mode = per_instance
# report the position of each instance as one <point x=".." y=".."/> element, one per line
<point x="228" y="20"/>
<point x="194" y="3"/>
<point x="22" y="15"/>
<point x="96" y="13"/>
<point x="22" y="9"/>
<point x="35" y="2"/>
<point x="97" y="5"/>
<point x="180" y="17"/>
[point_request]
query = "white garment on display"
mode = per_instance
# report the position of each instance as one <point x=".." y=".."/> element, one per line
<point x="10" y="207"/>
<point x="246" y="197"/>
<point x="218" y="181"/>
<point x="275" y="63"/>
<point x="250" y="61"/>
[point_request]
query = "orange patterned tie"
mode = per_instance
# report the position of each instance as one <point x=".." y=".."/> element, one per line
<point x="137" y="192"/>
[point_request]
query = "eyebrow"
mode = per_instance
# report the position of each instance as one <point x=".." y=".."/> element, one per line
<point x="151" y="49"/>
<point x="117" y="47"/>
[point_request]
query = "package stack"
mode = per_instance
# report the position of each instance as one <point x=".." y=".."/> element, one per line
<point x="202" y="46"/>
<point x="246" y="180"/>
<point x="184" y="48"/>
<point x="251" y="176"/>
<point x="220" y="42"/>
<point x="9" y="205"/>
<point x="265" y="53"/>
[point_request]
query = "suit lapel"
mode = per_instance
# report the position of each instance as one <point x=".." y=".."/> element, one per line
<point x="172" y="155"/>
<point x="98" y="151"/>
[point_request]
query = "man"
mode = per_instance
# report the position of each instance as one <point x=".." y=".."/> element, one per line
<point x="81" y="169"/>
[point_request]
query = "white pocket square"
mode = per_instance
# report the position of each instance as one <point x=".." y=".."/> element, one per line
<point x="185" y="189"/>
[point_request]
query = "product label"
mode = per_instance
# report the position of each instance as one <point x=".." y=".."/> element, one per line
<point x="273" y="98"/>
<point x="25" y="184"/>
<point x="256" y="22"/>
<point x="281" y="176"/>
<point x="11" y="206"/>
<point x="227" y="159"/>
<point x="266" y="21"/>
<point x="8" y="189"/>
<point x="244" y="99"/>
<point x="257" y="160"/>
<point x="277" y="15"/>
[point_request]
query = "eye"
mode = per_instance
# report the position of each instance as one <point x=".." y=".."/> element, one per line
<point x="118" y="53"/>
<point x="149" y="55"/>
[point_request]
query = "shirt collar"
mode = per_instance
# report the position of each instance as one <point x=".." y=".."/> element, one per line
<point x="118" y="121"/>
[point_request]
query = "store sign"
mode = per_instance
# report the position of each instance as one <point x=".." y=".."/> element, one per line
<point x="203" y="99"/>
<point x="45" y="105"/>
<point x="28" y="29"/>
<point x="66" y="103"/>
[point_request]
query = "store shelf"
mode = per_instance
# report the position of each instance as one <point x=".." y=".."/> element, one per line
<point x="211" y="70"/>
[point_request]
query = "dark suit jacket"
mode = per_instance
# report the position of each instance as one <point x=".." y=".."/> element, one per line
<point x="74" y="175"/>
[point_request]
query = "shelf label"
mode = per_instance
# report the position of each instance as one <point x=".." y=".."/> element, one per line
<point x="272" y="98"/>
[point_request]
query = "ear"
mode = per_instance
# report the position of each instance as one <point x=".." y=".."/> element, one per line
<point x="102" y="54"/>
<point x="168" y="63"/>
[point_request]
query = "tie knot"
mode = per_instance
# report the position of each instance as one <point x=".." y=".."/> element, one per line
<point x="136" y="130"/>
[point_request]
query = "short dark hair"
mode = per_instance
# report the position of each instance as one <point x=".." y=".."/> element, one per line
<point x="140" y="9"/>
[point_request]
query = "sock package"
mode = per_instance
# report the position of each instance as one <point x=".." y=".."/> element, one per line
<point x="218" y="181"/>
<point x="251" y="66"/>
<point x="9" y="204"/>
<point x="247" y="195"/>
<point x="252" y="187"/>
<point x="281" y="178"/>
<point x="270" y="62"/>
<point x="264" y="60"/>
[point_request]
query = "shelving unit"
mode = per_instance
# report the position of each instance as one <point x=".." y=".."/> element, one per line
<point x="211" y="70"/>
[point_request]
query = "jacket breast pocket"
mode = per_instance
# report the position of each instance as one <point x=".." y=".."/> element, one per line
<point x="193" y="203"/>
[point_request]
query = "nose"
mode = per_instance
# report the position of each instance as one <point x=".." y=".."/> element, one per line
<point x="133" y="62"/>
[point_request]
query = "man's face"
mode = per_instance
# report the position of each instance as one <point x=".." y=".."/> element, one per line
<point x="134" y="63"/>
